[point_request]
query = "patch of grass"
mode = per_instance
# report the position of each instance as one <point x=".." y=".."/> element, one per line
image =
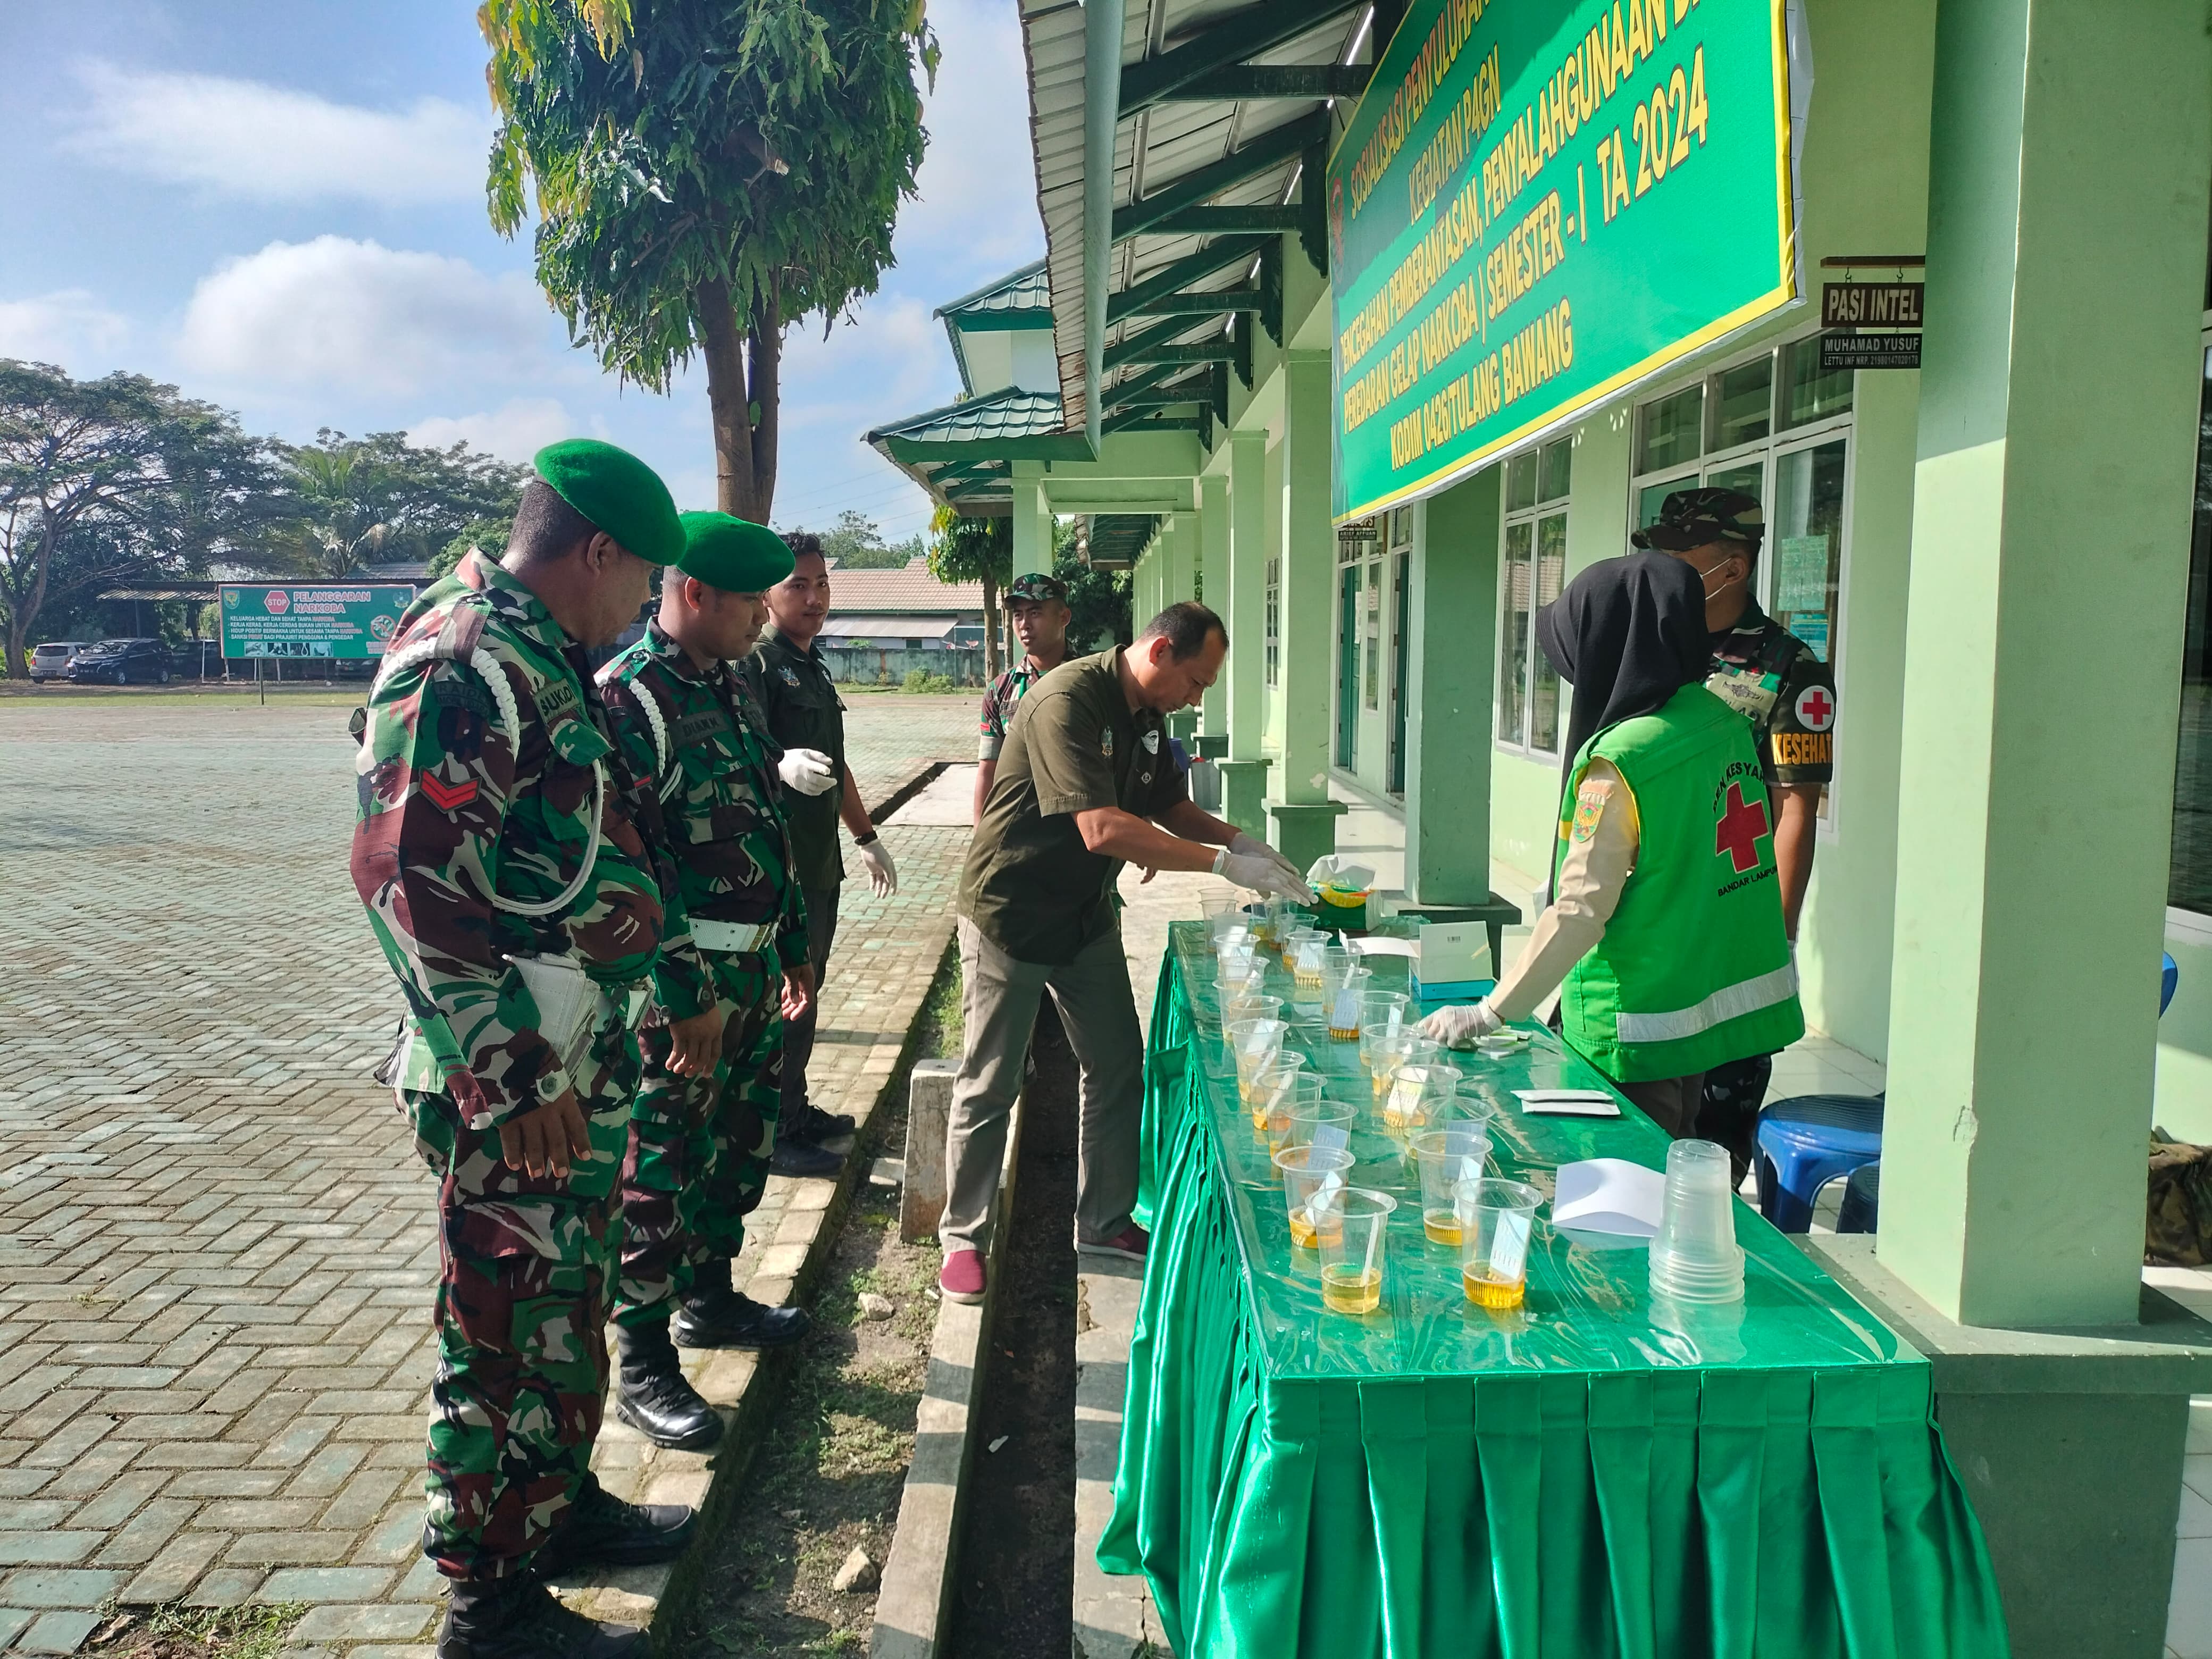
<point x="941" y="1031"/>
<point x="255" y="1631"/>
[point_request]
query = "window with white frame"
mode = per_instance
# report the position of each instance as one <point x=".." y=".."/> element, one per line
<point x="1532" y="568"/>
<point x="1778" y="428"/>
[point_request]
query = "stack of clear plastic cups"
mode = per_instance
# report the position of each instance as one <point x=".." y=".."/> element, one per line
<point x="1253" y="1045"/>
<point x="1312" y="1176"/>
<point x="1353" y="1250"/>
<point x="1447" y="1156"/>
<point x="1495" y="1220"/>
<point x="1317" y="1122"/>
<point x="1695" y="1258"/>
<point x="1421" y="1092"/>
<point x="1343" y="987"/>
<point x="1278" y="1091"/>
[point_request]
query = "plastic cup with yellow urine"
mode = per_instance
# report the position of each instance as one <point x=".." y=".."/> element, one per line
<point x="1277" y="1092"/>
<point x="1253" y="1044"/>
<point x="1343" y="987"/>
<point x="1312" y="1176"/>
<point x="1495" y="1220"/>
<point x="1448" y="1156"/>
<point x="1384" y="1051"/>
<point x="1354" y="1249"/>
<point x="1421" y="1090"/>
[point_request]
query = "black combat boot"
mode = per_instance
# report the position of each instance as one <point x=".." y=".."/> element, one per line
<point x="713" y="1315"/>
<point x="793" y="1157"/>
<point x="600" y="1530"/>
<point x="518" y="1618"/>
<point x="653" y="1397"/>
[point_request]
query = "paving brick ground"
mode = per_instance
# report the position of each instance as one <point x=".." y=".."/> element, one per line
<point x="215" y="1251"/>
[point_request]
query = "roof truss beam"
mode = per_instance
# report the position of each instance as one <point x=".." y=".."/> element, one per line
<point x="1207" y="220"/>
<point x="1270" y="149"/>
<point x="1230" y="40"/>
<point x="1217" y="303"/>
<point x="1243" y="82"/>
<point x="1230" y="251"/>
<point x="1138" y="346"/>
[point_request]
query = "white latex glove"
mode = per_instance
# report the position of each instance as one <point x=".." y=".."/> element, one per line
<point x="1458" y="1026"/>
<point x="882" y="874"/>
<point x="1251" y="846"/>
<point x="809" y="771"/>
<point x="1262" y="875"/>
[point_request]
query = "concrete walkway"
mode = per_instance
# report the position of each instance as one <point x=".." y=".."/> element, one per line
<point x="216" y="1248"/>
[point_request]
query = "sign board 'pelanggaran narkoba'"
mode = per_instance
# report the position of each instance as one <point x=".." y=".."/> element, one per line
<point x="1537" y="205"/>
<point x="308" y="619"/>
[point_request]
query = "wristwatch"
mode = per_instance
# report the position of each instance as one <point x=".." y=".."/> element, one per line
<point x="867" y="840"/>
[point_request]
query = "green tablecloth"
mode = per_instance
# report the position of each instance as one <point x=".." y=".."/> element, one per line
<point x="1572" y="1478"/>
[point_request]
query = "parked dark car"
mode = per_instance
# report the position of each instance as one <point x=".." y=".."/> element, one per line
<point x="122" y="662"/>
<point x="197" y="659"/>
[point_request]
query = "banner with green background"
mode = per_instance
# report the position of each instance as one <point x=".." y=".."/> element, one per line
<point x="1536" y="206"/>
<point x="311" y="619"/>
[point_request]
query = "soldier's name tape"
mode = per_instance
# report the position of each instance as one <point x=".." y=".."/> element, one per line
<point x="731" y="938"/>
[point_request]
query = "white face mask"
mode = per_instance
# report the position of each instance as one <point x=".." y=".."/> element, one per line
<point x="1715" y="593"/>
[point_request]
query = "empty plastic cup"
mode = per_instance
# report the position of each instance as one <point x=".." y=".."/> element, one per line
<point x="1274" y="1092"/>
<point x="1383" y="1010"/>
<point x="1496" y="1219"/>
<point x="1318" y="1122"/>
<point x="1695" y="1258"/>
<point x="1446" y="1157"/>
<point x="1311" y="1176"/>
<point x="1354" y="1249"/>
<point x="1419" y="1092"/>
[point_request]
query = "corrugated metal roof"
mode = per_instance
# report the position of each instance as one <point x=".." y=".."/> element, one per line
<point x="1153" y="148"/>
<point x="910" y="590"/>
<point x="991" y="419"/>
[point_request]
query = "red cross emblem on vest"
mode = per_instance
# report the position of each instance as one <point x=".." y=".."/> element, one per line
<point x="1740" y="828"/>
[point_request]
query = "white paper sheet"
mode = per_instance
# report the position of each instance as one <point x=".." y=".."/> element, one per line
<point x="1609" y="1196"/>
<point x="1567" y="1103"/>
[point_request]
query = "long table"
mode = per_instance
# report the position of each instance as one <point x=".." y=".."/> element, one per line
<point x="1586" y="1475"/>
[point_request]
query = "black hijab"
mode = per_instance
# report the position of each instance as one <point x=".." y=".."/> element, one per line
<point x="1627" y="634"/>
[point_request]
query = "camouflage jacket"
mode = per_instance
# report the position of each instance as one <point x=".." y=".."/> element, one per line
<point x="713" y="765"/>
<point x="454" y="810"/>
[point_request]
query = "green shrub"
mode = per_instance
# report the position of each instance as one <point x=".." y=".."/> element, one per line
<point x="920" y="679"/>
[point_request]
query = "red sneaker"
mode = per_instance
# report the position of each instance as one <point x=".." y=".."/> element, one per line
<point x="1130" y="1244"/>
<point x="962" y="1278"/>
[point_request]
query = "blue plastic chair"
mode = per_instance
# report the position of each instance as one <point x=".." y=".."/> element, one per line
<point x="1807" y="1141"/>
<point x="2169" y="976"/>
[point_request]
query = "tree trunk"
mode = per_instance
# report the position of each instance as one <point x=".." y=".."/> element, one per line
<point x="23" y="608"/>
<point x="990" y="628"/>
<point x="764" y="358"/>
<point x="727" y="398"/>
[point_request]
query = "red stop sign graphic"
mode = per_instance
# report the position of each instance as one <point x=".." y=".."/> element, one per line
<point x="277" y="600"/>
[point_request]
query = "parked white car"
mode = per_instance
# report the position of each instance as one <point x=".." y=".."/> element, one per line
<point x="51" y="660"/>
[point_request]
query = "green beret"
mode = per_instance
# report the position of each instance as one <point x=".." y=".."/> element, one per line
<point x="618" y="492"/>
<point x="732" y="555"/>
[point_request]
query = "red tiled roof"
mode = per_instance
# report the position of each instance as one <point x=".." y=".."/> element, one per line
<point x="894" y="592"/>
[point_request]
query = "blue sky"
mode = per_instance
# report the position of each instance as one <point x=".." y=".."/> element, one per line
<point x="278" y="205"/>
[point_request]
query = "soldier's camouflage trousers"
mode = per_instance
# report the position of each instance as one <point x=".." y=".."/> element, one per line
<point x="697" y="1159"/>
<point x="521" y="1308"/>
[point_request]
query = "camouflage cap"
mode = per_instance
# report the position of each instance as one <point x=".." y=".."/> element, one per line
<point x="618" y="492"/>
<point x="1692" y="518"/>
<point x="1035" y="587"/>
<point x="731" y="554"/>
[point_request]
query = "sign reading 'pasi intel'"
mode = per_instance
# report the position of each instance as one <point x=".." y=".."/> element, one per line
<point x="1536" y="207"/>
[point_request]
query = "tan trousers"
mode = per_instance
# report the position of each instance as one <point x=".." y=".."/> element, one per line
<point x="998" y="1004"/>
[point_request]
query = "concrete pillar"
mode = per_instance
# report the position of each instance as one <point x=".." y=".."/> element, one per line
<point x="1179" y="580"/>
<point x="1452" y="620"/>
<point x="1245" y="774"/>
<point x="1214" y="585"/>
<point x="2050" y="576"/>
<point x="1032" y="521"/>
<point x="1305" y="817"/>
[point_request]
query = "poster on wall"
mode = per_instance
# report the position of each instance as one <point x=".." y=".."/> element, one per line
<point x="1536" y="207"/>
<point x="305" y="619"/>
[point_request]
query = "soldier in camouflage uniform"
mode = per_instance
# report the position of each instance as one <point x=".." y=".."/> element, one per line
<point x="1780" y="685"/>
<point x="702" y="1130"/>
<point x="500" y="856"/>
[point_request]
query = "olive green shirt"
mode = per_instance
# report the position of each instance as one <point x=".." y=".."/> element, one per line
<point x="1030" y="886"/>
<point x="792" y="686"/>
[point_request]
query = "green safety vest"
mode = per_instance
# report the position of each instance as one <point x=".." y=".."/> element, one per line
<point x="1694" y="968"/>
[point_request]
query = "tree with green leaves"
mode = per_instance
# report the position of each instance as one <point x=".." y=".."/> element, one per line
<point x="704" y="173"/>
<point x="972" y="550"/>
<point x="380" y="499"/>
<point x="1097" y="600"/>
<point x="108" y="479"/>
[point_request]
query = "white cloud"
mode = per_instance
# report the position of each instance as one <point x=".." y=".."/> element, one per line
<point x="977" y="185"/>
<point x="268" y="143"/>
<point x="336" y="314"/>
<point x="515" y="431"/>
<point x="68" y="327"/>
